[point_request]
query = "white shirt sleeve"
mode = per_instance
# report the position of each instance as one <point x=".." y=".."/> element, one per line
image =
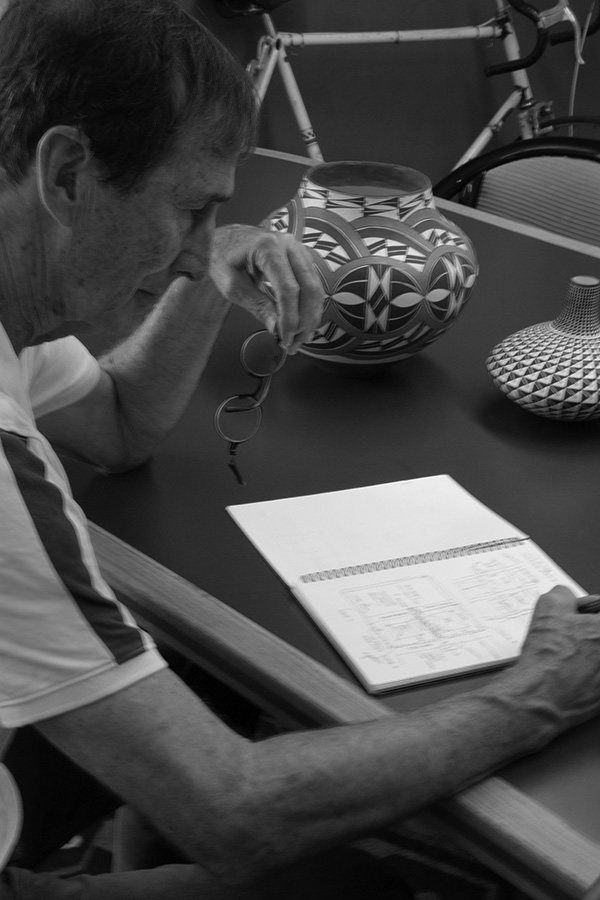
<point x="58" y="373"/>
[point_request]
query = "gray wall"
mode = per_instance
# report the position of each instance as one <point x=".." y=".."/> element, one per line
<point x="414" y="104"/>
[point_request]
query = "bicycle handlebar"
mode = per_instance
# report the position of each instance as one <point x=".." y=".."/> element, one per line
<point x="562" y="36"/>
<point x="527" y="9"/>
<point x="543" y="20"/>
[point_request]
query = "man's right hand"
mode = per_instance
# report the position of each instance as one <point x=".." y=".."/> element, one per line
<point x="559" y="666"/>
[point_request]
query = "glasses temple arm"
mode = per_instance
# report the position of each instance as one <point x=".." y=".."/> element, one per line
<point x="232" y="462"/>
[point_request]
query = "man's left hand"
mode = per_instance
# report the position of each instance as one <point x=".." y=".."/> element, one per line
<point x="244" y="258"/>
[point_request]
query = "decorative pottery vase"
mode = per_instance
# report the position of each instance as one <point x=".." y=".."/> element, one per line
<point x="396" y="272"/>
<point x="553" y="369"/>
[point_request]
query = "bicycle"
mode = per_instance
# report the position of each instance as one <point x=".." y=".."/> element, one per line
<point x="534" y="116"/>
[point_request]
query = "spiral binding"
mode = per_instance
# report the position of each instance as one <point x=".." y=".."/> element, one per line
<point x="401" y="561"/>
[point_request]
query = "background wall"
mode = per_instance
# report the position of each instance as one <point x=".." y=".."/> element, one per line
<point x="417" y="104"/>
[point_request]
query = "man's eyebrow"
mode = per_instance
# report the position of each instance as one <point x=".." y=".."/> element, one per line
<point x="199" y="202"/>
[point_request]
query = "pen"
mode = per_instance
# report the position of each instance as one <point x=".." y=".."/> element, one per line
<point x="589" y="604"/>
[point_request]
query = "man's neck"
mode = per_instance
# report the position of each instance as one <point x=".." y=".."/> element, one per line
<point x="26" y="297"/>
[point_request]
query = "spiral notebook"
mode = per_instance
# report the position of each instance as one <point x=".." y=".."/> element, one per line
<point x="411" y="581"/>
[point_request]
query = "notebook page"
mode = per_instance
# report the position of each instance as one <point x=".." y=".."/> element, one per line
<point x="427" y="621"/>
<point x="299" y="535"/>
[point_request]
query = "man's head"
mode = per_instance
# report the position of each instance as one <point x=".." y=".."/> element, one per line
<point x="121" y="123"/>
<point x="131" y="75"/>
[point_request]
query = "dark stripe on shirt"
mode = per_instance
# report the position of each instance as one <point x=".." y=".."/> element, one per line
<point x="44" y="503"/>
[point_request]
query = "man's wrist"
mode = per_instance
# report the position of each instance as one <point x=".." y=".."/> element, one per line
<point x="531" y="718"/>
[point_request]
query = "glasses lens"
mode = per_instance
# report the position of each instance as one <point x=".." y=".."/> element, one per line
<point x="238" y="419"/>
<point x="262" y="354"/>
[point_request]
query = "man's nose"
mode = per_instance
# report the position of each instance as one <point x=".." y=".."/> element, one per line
<point x="192" y="265"/>
<point x="194" y="259"/>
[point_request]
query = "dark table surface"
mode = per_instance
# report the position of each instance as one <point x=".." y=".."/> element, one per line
<point x="435" y="412"/>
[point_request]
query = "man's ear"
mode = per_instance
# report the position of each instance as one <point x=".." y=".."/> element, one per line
<point x="66" y="172"/>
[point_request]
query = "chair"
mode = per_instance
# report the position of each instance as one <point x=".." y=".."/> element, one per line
<point x="553" y="183"/>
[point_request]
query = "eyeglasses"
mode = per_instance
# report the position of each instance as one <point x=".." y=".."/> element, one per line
<point x="238" y="418"/>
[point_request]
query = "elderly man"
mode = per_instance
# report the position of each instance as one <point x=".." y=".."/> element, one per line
<point x="121" y="124"/>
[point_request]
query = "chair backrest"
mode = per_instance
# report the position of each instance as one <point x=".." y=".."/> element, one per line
<point x="10" y="815"/>
<point x="553" y="183"/>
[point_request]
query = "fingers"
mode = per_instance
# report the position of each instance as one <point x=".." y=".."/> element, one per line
<point x="559" y="597"/>
<point x="294" y="283"/>
<point x="562" y="595"/>
<point x="556" y="606"/>
<point x="273" y="276"/>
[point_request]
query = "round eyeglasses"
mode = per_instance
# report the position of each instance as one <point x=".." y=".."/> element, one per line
<point x="238" y="418"/>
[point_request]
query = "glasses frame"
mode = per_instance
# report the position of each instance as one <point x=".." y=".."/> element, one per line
<point x="249" y="401"/>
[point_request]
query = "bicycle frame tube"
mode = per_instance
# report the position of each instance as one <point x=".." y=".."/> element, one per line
<point x="272" y="54"/>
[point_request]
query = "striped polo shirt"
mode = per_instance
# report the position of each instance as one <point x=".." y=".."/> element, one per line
<point x="65" y="641"/>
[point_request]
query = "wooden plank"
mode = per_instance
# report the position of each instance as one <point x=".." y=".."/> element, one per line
<point x="594" y="892"/>
<point x="515" y="835"/>
<point x="226" y="642"/>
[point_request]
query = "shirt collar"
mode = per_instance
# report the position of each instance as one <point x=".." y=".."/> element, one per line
<point x="12" y="376"/>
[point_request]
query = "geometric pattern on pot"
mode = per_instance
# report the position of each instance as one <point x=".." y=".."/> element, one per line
<point x="394" y="282"/>
<point x="551" y="375"/>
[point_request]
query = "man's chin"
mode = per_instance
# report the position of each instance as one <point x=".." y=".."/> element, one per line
<point x="66" y="329"/>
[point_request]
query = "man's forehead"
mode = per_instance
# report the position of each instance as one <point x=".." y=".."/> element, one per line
<point x="213" y="180"/>
<point x="195" y="169"/>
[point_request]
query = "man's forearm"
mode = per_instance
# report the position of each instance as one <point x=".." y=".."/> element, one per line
<point x="380" y="773"/>
<point x="156" y="370"/>
<point x="240" y="809"/>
